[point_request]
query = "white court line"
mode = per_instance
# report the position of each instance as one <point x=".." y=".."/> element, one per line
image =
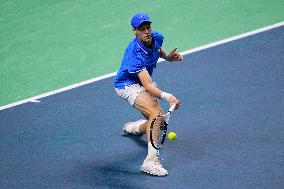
<point x="35" y="98"/>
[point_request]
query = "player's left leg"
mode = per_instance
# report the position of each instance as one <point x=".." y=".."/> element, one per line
<point x="150" y="108"/>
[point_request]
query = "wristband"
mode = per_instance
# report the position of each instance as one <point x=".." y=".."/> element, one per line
<point x="166" y="96"/>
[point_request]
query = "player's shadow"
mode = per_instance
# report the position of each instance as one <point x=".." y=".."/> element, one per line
<point x="119" y="171"/>
<point x="140" y="140"/>
<point x="115" y="171"/>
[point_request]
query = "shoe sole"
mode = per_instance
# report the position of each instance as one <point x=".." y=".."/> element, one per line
<point x="154" y="174"/>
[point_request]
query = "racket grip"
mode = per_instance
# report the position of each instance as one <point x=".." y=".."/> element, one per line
<point x="172" y="107"/>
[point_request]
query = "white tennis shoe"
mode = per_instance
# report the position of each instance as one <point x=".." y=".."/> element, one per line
<point x="152" y="165"/>
<point x="133" y="127"/>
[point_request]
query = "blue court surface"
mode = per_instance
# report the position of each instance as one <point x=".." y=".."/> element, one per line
<point x="230" y="127"/>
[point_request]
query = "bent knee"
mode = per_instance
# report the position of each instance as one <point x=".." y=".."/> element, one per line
<point x="154" y="112"/>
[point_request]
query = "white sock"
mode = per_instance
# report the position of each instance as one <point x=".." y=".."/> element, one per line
<point x="152" y="152"/>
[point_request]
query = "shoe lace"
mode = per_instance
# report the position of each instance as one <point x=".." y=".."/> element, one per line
<point x="157" y="161"/>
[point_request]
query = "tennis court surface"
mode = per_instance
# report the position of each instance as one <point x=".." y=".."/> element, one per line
<point x="230" y="127"/>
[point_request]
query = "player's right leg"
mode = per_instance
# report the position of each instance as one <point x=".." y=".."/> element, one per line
<point x="133" y="127"/>
<point x="130" y="93"/>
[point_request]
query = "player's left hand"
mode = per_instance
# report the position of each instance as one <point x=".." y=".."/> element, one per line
<point x="174" y="56"/>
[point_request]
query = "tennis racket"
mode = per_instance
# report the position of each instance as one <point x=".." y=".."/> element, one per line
<point x="158" y="128"/>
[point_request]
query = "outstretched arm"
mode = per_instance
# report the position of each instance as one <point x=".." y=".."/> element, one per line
<point x="147" y="83"/>
<point x="172" y="56"/>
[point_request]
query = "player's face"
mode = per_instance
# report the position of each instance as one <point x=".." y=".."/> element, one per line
<point x="144" y="33"/>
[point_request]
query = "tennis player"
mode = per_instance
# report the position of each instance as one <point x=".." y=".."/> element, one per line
<point x="133" y="83"/>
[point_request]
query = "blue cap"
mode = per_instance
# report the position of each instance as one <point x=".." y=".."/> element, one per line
<point x="138" y="19"/>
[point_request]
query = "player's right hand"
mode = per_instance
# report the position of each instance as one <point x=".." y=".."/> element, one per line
<point x="174" y="100"/>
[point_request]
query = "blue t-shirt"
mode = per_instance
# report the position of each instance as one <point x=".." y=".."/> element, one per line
<point x="138" y="57"/>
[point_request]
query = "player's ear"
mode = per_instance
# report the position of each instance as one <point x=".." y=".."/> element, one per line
<point x="134" y="31"/>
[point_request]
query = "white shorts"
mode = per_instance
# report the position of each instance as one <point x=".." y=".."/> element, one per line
<point x="130" y="93"/>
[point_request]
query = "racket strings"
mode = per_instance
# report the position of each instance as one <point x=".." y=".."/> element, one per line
<point x="158" y="131"/>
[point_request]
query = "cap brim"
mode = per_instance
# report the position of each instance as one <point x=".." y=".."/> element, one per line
<point x="143" y="23"/>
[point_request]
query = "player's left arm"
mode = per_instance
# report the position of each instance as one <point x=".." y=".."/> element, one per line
<point x="172" y="56"/>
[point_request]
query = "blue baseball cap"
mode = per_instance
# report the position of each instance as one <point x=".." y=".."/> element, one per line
<point x="138" y="19"/>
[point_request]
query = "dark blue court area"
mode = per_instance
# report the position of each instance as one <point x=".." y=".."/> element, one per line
<point x="230" y="127"/>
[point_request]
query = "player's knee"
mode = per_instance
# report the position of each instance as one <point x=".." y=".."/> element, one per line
<point x="154" y="112"/>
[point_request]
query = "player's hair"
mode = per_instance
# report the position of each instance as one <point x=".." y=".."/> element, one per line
<point x="134" y="31"/>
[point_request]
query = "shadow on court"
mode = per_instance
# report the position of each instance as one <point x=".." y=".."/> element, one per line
<point x="229" y="127"/>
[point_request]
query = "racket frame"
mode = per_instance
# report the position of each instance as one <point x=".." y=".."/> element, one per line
<point x="166" y="118"/>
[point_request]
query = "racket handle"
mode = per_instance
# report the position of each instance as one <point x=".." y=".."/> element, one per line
<point x="172" y="107"/>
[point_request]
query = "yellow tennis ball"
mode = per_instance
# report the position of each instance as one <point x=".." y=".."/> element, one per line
<point x="172" y="136"/>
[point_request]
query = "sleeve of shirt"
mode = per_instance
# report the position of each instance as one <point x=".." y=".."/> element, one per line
<point x="159" y="38"/>
<point x="136" y="64"/>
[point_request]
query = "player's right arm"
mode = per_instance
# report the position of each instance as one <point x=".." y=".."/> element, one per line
<point x="147" y="83"/>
